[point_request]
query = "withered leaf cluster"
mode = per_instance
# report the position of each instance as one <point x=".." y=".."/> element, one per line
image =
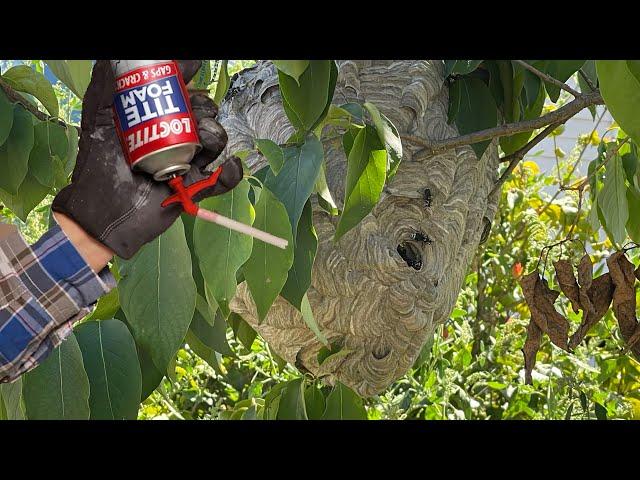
<point x="591" y="295"/>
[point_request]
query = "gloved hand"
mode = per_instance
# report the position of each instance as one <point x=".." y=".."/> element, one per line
<point x="120" y="208"/>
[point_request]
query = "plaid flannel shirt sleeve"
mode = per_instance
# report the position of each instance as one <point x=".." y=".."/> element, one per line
<point x="44" y="289"/>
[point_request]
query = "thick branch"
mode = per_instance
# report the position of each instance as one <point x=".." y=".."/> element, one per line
<point x="17" y="98"/>
<point x="558" y="116"/>
<point x="547" y="78"/>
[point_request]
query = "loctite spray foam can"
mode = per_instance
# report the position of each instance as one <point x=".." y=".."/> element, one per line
<point x="153" y="117"/>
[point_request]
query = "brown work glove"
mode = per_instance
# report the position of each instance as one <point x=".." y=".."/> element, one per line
<point x="116" y="206"/>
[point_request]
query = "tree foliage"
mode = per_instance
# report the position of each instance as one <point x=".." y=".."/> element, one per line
<point x="185" y="354"/>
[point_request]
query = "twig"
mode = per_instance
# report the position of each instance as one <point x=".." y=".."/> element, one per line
<point x="17" y="98"/>
<point x="517" y="156"/>
<point x="547" y="78"/>
<point x="586" y="79"/>
<point x="583" y="183"/>
<point x="561" y="115"/>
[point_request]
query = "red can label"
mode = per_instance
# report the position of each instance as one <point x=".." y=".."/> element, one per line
<point x="152" y="110"/>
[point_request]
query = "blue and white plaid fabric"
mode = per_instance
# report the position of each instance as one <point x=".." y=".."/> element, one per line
<point x="44" y="289"/>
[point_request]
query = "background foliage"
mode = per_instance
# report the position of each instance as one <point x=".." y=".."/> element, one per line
<point x="207" y="362"/>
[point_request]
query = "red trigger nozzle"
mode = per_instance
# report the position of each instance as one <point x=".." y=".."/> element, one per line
<point x="184" y="195"/>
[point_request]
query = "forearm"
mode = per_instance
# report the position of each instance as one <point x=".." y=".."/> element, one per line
<point x="93" y="252"/>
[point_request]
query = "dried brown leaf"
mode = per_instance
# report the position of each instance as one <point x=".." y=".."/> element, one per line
<point x="600" y="296"/>
<point x="567" y="283"/>
<point x="531" y="347"/>
<point x="585" y="279"/>
<point x="540" y="299"/>
<point x="624" y="295"/>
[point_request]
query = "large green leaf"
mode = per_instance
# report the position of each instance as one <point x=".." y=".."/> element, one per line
<point x="158" y="294"/>
<point x="243" y="332"/>
<point x="477" y="111"/>
<point x="460" y="67"/>
<point x="293" y="68"/>
<point x="620" y="89"/>
<point x="366" y="167"/>
<point x="151" y="375"/>
<point x="612" y="200"/>
<point x="306" y="100"/>
<point x="25" y="79"/>
<point x="589" y="70"/>
<point x="111" y="361"/>
<point x="108" y="305"/>
<point x="296" y="179"/>
<point x="29" y="195"/>
<point x="221" y="251"/>
<point x="633" y="222"/>
<point x="210" y="327"/>
<point x="272" y="152"/>
<point x="309" y="319"/>
<point x="50" y="139"/>
<point x="314" y="402"/>
<point x="58" y="389"/>
<point x="390" y="138"/>
<point x="306" y="244"/>
<point x="560" y="70"/>
<point x="75" y="74"/>
<point x="292" y="406"/>
<point x="14" y="153"/>
<point x="11" y="393"/>
<point x="72" y="151"/>
<point x="344" y="404"/>
<point x="266" y="270"/>
<point x="223" y="83"/>
<point x="6" y="117"/>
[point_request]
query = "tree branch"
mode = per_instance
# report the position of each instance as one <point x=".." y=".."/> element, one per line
<point x="586" y="79"/>
<point x="548" y="78"/>
<point x="558" y="116"/>
<point x="17" y="98"/>
<point x="517" y="156"/>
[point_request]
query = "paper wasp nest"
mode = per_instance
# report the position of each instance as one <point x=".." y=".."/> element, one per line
<point x="364" y="294"/>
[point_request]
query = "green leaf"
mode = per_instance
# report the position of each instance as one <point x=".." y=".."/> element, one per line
<point x="478" y="110"/>
<point x="151" y="375"/>
<point x="344" y="404"/>
<point x="612" y="199"/>
<point x="306" y="245"/>
<point x="293" y="68"/>
<point x="454" y="102"/>
<point x="6" y="117"/>
<point x="14" y="153"/>
<point x="75" y="74"/>
<point x="205" y="353"/>
<point x="266" y="270"/>
<point x="50" y="139"/>
<point x="243" y="332"/>
<point x="296" y="179"/>
<point x="223" y="83"/>
<point x="589" y="69"/>
<point x="390" y="138"/>
<point x="72" y="151"/>
<point x="309" y="319"/>
<point x="512" y="143"/>
<point x="314" y="402"/>
<point x="111" y="362"/>
<point x="306" y="99"/>
<point x="460" y="67"/>
<point x="325" y="199"/>
<point x="202" y="78"/>
<point x="560" y="70"/>
<point x="107" y="306"/>
<point x="272" y="401"/>
<point x="11" y="393"/>
<point x="210" y="328"/>
<point x="292" y="406"/>
<point x="366" y="166"/>
<point x="158" y="294"/>
<point x="25" y="79"/>
<point x="272" y="152"/>
<point x="221" y="251"/>
<point x="58" y="389"/>
<point x="600" y="411"/>
<point x="633" y="222"/>
<point x="29" y="195"/>
<point x="621" y="92"/>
